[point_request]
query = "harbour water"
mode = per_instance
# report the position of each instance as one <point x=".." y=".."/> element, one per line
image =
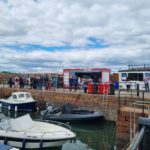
<point x="90" y="136"/>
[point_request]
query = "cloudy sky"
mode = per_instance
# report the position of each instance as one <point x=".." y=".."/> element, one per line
<point x="49" y="35"/>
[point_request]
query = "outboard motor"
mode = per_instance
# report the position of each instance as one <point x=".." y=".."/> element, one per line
<point x="49" y="110"/>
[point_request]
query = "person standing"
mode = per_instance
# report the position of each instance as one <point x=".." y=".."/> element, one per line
<point x="146" y="82"/>
<point x="21" y="82"/>
<point x="54" y="83"/>
<point x="49" y="84"/>
<point x="46" y="82"/>
<point x="75" y="83"/>
<point x="17" y="82"/>
<point x="70" y="83"/>
<point x="10" y="82"/>
<point x="85" y="84"/>
<point x="128" y="84"/>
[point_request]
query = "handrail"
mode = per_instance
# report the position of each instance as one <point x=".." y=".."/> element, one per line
<point x="43" y="133"/>
<point x="138" y="103"/>
<point x="138" y="140"/>
<point x="55" y="122"/>
<point x="25" y="132"/>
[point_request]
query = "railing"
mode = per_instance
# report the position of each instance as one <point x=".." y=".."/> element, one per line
<point x="56" y="123"/>
<point x="126" y="98"/>
<point x="34" y="132"/>
<point x="144" y="66"/>
<point x="137" y="140"/>
<point x="143" y="105"/>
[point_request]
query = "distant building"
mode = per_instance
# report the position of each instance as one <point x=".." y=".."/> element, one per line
<point x="135" y="74"/>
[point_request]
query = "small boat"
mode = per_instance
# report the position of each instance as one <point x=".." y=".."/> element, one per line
<point x="19" y="101"/>
<point x="25" y="133"/>
<point x="67" y="113"/>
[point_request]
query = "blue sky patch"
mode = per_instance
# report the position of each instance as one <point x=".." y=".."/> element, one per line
<point x="30" y="47"/>
<point x="94" y="43"/>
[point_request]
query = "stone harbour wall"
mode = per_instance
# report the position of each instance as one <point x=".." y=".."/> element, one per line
<point x="81" y="100"/>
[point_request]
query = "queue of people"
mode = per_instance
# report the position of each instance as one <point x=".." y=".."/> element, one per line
<point x="51" y="83"/>
<point x="78" y="83"/>
<point x="17" y="82"/>
<point x="35" y="82"/>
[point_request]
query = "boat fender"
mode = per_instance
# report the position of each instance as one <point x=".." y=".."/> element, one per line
<point x="41" y="144"/>
<point x="23" y="143"/>
<point x="16" y="109"/>
<point x="37" y="108"/>
<point x="9" y="107"/>
<point x="73" y="140"/>
<point x="5" y="141"/>
<point x="0" y="105"/>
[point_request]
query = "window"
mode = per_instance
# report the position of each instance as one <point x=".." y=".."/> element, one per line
<point x="147" y="74"/>
<point x="135" y="76"/>
<point x="14" y="96"/>
<point x="124" y="75"/>
<point x="27" y="95"/>
<point x="21" y="95"/>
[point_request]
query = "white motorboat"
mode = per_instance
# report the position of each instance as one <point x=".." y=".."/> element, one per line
<point x="19" y="101"/>
<point x="23" y="132"/>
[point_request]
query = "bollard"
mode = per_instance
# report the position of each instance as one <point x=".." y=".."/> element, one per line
<point x="137" y="87"/>
<point x="9" y="107"/>
<point x="16" y="109"/>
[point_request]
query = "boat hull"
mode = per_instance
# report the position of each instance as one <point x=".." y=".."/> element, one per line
<point x="23" y="132"/>
<point x="32" y="143"/>
<point x="30" y="106"/>
<point x="74" y="117"/>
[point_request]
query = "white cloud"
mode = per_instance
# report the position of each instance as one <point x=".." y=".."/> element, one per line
<point x="123" y="25"/>
<point x="54" y="61"/>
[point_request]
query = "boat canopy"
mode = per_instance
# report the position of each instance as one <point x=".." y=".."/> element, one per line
<point x="22" y="123"/>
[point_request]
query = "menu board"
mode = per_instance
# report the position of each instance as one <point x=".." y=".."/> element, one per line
<point x="66" y="78"/>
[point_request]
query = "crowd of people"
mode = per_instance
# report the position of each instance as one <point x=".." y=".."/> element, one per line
<point x="81" y="83"/>
<point x="46" y="82"/>
<point x="34" y="82"/>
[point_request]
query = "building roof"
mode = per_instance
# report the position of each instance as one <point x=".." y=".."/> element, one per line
<point x="136" y="68"/>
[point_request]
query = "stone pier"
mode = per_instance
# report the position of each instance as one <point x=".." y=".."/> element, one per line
<point x="126" y="118"/>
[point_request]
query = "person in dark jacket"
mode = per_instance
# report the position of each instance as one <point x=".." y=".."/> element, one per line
<point x="75" y="83"/>
<point x="70" y="83"/>
<point x="10" y="81"/>
<point x="128" y="84"/>
<point x="54" y="83"/>
<point x="85" y="84"/>
<point x="21" y="82"/>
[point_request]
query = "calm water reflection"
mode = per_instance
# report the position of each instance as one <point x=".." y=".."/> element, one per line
<point x="90" y="136"/>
